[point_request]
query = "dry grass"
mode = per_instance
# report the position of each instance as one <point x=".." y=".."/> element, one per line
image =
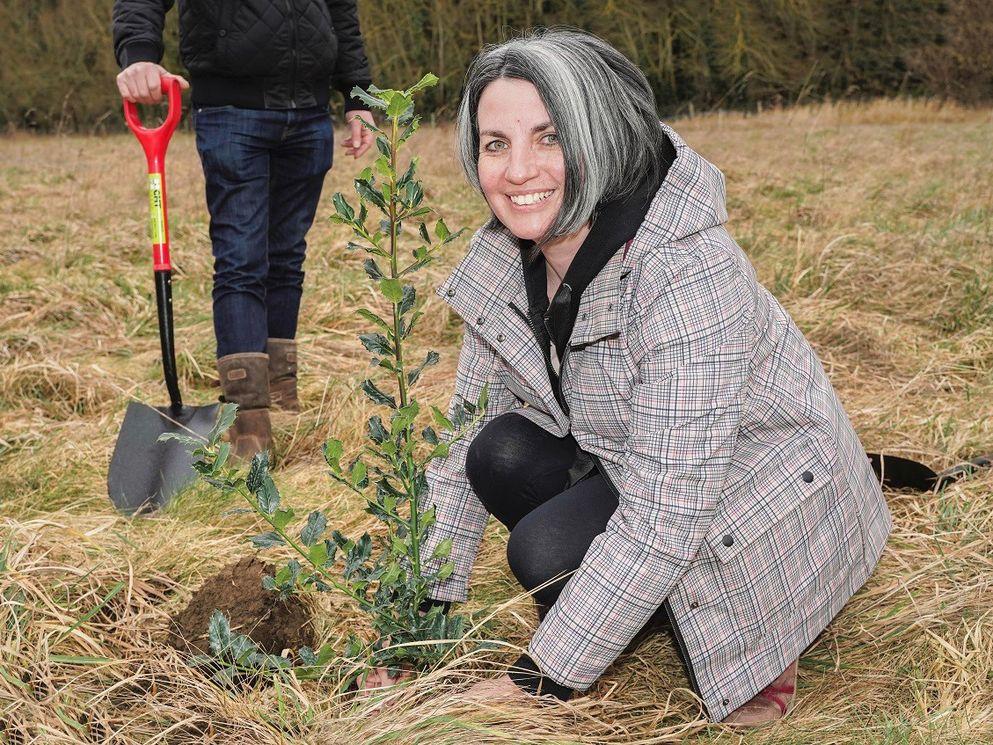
<point x="872" y="224"/>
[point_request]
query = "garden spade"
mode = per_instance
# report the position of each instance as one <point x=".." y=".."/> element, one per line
<point x="144" y="472"/>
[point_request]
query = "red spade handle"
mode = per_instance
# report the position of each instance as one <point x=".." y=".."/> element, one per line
<point x="155" y="142"/>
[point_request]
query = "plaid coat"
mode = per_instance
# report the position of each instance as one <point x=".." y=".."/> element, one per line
<point x="746" y="503"/>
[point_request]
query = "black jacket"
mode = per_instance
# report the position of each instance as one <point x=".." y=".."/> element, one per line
<point x="256" y="54"/>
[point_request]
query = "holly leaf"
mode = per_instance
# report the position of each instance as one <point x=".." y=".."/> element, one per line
<point x="372" y="269"/>
<point x="342" y="207"/>
<point x="429" y="80"/>
<point x="369" y="100"/>
<point x="376" y="343"/>
<point x="392" y="290"/>
<point x="408" y="299"/>
<point x="225" y="418"/>
<point x="317" y="523"/>
<point x="376" y="395"/>
<point x="219" y="633"/>
<point x="333" y="450"/>
<point x="268" y="540"/>
<point x="268" y="495"/>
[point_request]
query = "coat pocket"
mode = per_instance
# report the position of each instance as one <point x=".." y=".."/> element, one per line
<point x="783" y="537"/>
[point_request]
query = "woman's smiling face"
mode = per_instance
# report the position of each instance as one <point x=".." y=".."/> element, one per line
<point x="521" y="167"/>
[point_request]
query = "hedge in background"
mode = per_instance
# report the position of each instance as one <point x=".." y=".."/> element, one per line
<point x="57" y="65"/>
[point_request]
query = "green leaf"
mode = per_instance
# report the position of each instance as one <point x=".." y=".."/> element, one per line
<point x="422" y="230"/>
<point x="383" y="145"/>
<point x="186" y="441"/>
<point x="372" y="269"/>
<point x="333" y="450"/>
<point x="219" y="633"/>
<point x="377" y="432"/>
<point x="441" y="230"/>
<point x="223" y="452"/>
<point x="408" y="299"/>
<point x="318" y="553"/>
<point x="484" y="397"/>
<point x="376" y="343"/>
<point x="365" y="190"/>
<point x="282" y="518"/>
<point x="225" y="418"/>
<point x="267" y="540"/>
<point x="441" y="420"/>
<point x="358" y="474"/>
<point x="440" y="450"/>
<point x="431" y="359"/>
<point x="369" y="100"/>
<point x="257" y="471"/>
<point x="445" y="572"/>
<point x="443" y="549"/>
<point x="430" y="436"/>
<point x="428" y="81"/>
<point x="391" y="289"/>
<point x="376" y="395"/>
<point x="342" y="207"/>
<point x="399" y="104"/>
<point x="268" y="495"/>
<point x="373" y="318"/>
<point x="317" y="523"/>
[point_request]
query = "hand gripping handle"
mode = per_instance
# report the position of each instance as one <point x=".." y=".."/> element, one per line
<point x="155" y="142"/>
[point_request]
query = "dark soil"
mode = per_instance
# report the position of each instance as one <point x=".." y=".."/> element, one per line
<point x="237" y="592"/>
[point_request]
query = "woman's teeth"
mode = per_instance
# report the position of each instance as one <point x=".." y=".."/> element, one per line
<point x="523" y="199"/>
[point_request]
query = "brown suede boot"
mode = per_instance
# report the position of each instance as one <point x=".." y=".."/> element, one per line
<point x="245" y="381"/>
<point x="283" y="374"/>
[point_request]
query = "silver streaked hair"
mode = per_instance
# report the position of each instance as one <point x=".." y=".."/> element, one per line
<point x="601" y="105"/>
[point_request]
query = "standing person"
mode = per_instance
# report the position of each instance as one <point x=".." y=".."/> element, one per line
<point x="660" y="438"/>
<point x="261" y="75"/>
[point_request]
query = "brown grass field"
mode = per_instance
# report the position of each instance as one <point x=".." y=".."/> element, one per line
<point x="873" y="225"/>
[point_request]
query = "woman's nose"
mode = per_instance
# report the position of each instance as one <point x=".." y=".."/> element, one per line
<point x="522" y="166"/>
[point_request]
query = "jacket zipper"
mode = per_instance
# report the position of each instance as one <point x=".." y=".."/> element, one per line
<point x="676" y="633"/>
<point x="293" y="53"/>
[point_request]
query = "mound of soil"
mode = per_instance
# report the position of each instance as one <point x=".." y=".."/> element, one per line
<point x="237" y="592"/>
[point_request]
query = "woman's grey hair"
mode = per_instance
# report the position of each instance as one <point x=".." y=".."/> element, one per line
<point x="601" y="105"/>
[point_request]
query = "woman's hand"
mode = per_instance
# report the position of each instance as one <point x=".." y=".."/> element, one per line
<point x="497" y="689"/>
<point x="379" y="677"/>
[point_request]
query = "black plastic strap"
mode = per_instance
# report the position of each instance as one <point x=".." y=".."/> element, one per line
<point x="895" y="472"/>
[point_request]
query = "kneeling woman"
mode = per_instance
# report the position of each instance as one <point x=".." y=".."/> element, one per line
<point x="659" y="436"/>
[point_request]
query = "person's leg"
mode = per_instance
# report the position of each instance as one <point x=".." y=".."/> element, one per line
<point x="298" y="167"/>
<point x="234" y="146"/>
<point x="552" y="539"/>
<point x="513" y="465"/>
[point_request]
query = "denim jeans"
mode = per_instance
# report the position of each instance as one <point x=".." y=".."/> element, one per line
<point x="264" y="171"/>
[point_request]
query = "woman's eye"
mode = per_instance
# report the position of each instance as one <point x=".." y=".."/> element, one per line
<point x="494" y="145"/>
<point x="550" y="139"/>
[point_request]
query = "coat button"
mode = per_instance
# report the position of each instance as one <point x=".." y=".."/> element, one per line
<point x="222" y="32"/>
<point x="725" y="702"/>
<point x="727" y="540"/>
<point x="694" y="605"/>
<point x="479" y="321"/>
<point x="807" y="476"/>
<point x="451" y="293"/>
<point x="499" y="337"/>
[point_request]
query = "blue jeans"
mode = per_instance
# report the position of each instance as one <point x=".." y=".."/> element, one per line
<point x="264" y="172"/>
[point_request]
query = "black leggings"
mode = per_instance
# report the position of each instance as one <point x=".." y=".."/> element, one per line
<point x="521" y="474"/>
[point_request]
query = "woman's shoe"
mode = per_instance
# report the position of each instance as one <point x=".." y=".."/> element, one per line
<point x="771" y="703"/>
